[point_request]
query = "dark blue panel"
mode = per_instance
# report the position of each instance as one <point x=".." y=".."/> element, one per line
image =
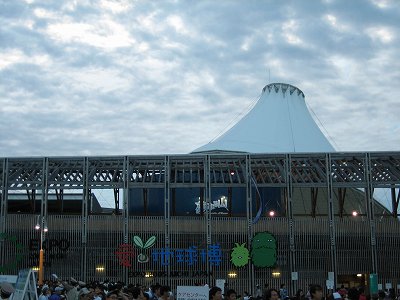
<point x="155" y="202"/>
<point x="187" y="201"/>
<point x="219" y="201"/>
<point x="239" y="201"/>
<point x="136" y="202"/>
<point x="271" y="200"/>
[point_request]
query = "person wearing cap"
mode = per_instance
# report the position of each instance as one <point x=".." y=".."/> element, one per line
<point x="56" y="292"/>
<point x="6" y="290"/>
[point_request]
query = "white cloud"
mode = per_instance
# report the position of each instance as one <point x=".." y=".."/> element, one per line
<point x="105" y="34"/>
<point x="337" y="24"/>
<point x="384" y="4"/>
<point x="116" y="7"/>
<point x="289" y="30"/>
<point x="16" y="56"/>
<point x="177" y="23"/>
<point x="382" y="34"/>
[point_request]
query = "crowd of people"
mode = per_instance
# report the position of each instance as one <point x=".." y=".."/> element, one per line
<point x="78" y="290"/>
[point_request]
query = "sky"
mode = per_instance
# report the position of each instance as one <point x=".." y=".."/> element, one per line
<point x="165" y="77"/>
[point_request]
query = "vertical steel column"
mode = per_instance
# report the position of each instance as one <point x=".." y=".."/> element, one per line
<point x="371" y="212"/>
<point x="4" y="199"/>
<point x="331" y="213"/>
<point x="249" y="208"/>
<point x="292" y="248"/>
<point x="167" y="212"/>
<point x="45" y="191"/>
<point x="43" y="210"/>
<point x="125" y="212"/>
<point x="207" y="198"/>
<point x="84" y="231"/>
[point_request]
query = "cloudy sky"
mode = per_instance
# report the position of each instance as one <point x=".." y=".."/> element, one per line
<point x="131" y="77"/>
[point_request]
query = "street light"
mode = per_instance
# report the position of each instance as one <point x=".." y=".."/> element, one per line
<point x="42" y="226"/>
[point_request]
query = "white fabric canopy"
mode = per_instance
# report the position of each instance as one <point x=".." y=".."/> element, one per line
<point x="279" y="123"/>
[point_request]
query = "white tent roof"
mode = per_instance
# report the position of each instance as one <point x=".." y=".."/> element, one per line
<point x="279" y="123"/>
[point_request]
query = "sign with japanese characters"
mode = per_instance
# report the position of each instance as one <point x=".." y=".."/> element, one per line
<point x="127" y="254"/>
<point x="192" y="293"/>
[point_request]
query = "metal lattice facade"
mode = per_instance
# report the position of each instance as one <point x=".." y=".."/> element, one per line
<point x="322" y="240"/>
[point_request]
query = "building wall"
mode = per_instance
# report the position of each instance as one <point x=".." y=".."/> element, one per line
<point x="64" y="250"/>
<point x="324" y="238"/>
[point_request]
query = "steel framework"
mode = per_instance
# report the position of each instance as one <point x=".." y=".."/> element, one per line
<point x="309" y="245"/>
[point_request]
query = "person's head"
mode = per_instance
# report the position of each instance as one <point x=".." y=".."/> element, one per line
<point x="84" y="294"/>
<point x="231" y="295"/>
<point x="381" y="294"/>
<point x="156" y="290"/>
<point x="299" y="293"/>
<point x="113" y="295"/>
<point x="282" y="285"/>
<point x="164" y="292"/>
<point x="353" y="294"/>
<point x="215" y="293"/>
<point x="137" y="293"/>
<point x="99" y="289"/>
<point x="316" y="292"/>
<point x="272" y="294"/>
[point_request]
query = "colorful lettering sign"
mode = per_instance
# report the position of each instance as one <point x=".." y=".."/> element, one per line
<point x="167" y="256"/>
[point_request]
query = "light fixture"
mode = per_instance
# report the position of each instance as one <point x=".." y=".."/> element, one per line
<point x="35" y="269"/>
<point x="148" y="274"/>
<point x="45" y="228"/>
<point x="276" y="274"/>
<point x="271" y="213"/>
<point x="37" y="226"/>
<point x="232" y="172"/>
<point x="232" y="275"/>
<point x="359" y="275"/>
<point x="354" y="213"/>
<point x="100" y="269"/>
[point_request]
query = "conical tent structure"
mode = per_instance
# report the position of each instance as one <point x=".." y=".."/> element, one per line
<point x="279" y="123"/>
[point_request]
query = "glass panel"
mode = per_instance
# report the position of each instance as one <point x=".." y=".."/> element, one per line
<point x="219" y="201"/>
<point x="136" y="203"/>
<point x="238" y="201"/>
<point x="187" y="201"/>
<point x="155" y="202"/>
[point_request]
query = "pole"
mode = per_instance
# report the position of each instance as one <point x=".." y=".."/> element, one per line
<point x="41" y="267"/>
<point x="41" y="258"/>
